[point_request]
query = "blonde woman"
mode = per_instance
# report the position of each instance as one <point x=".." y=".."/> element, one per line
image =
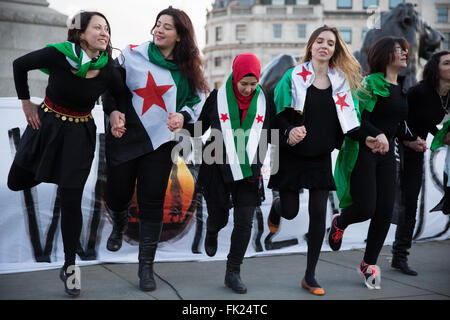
<point x="315" y="108"/>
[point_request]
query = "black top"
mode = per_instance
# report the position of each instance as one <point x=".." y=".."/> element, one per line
<point x="64" y="87"/>
<point x="425" y="109"/>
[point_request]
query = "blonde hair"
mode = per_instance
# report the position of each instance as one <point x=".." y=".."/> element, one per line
<point x="342" y="58"/>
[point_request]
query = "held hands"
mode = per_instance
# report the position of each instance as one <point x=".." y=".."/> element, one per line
<point x="175" y="121"/>
<point x="296" y="135"/>
<point x="117" y="120"/>
<point x="378" y="144"/>
<point x="30" y="110"/>
<point x="418" y="145"/>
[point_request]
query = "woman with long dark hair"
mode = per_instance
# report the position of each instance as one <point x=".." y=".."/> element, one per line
<point x="59" y="142"/>
<point x="164" y="77"/>
<point x="428" y="103"/>
<point x="315" y="106"/>
<point x="366" y="187"/>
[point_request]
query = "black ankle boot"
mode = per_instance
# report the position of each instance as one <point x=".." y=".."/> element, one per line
<point x="73" y="291"/>
<point x="233" y="281"/>
<point x="149" y="233"/>
<point x="403" y="266"/>
<point x="120" y="223"/>
<point x="211" y="244"/>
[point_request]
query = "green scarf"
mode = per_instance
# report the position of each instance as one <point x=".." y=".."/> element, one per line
<point x="376" y="85"/>
<point x="84" y="63"/>
<point x="185" y="97"/>
<point x="438" y="140"/>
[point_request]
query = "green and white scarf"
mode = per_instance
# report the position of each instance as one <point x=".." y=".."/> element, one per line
<point x="241" y="140"/>
<point x="83" y="63"/>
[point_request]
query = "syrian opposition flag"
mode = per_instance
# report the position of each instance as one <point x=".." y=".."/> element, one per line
<point x="154" y="93"/>
<point x="241" y="140"/>
<point x="303" y="76"/>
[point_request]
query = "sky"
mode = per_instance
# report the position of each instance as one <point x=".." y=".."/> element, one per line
<point x="131" y="20"/>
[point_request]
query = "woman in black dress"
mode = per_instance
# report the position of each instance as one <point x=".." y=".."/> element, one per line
<point x="315" y="107"/>
<point x="59" y="142"/>
<point x="428" y="103"/>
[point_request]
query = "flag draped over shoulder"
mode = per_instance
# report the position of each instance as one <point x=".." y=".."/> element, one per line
<point x="241" y="140"/>
<point x="79" y="61"/>
<point x="438" y="140"/>
<point x="158" y="88"/>
<point x="375" y="85"/>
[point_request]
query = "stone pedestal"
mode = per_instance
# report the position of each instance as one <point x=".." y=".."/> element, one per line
<point x="25" y="26"/>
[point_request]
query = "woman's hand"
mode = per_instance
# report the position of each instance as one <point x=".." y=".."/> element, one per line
<point x="296" y="135"/>
<point x="419" y="145"/>
<point x="383" y="143"/>
<point x="30" y="110"/>
<point x="117" y="120"/>
<point x="175" y="121"/>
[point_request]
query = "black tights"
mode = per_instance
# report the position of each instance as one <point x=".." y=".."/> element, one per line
<point x="287" y="207"/>
<point x="71" y="216"/>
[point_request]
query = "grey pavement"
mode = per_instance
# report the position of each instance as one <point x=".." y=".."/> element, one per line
<point x="267" y="278"/>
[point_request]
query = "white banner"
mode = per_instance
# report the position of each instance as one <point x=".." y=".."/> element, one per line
<point x="30" y="237"/>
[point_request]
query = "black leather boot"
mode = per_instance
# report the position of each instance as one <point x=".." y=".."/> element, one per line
<point x="402" y="265"/>
<point x="120" y="223"/>
<point x="233" y="281"/>
<point x="211" y="243"/>
<point x="149" y="233"/>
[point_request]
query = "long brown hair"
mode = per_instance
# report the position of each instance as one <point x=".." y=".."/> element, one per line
<point x="186" y="53"/>
<point x="79" y="24"/>
<point x="342" y="58"/>
<point x="431" y="69"/>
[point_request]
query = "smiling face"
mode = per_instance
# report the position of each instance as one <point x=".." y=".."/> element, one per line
<point x="323" y="47"/>
<point x="247" y="85"/>
<point x="96" y="35"/>
<point x="165" y="33"/>
<point x="444" y="67"/>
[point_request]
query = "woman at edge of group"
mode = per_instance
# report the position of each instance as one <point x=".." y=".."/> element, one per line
<point x="230" y="180"/>
<point x="428" y="104"/>
<point x="366" y="184"/>
<point x="315" y="107"/>
<point x="58" y="144"/>
<point x="164" y="77"/>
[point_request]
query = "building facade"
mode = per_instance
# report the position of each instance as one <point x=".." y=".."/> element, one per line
<point x="269" y="28"/>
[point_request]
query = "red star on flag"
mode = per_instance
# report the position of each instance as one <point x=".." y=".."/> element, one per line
<point x="152" y="94"/>
<point x="133" y="46"/>
<point x="341" y="101"/>
<point x="224" y="117"/>
<point x="259" y="118"/>
<point x="305" y="73"/>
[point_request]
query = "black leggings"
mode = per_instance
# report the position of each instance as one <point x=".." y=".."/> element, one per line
<point x="149" y="174"/>
<point x="71" y="215"/>
<point x="373" y="194"/>
<point x="317" y="207"/>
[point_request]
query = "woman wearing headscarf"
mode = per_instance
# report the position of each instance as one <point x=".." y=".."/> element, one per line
<point x="239" y="114"/>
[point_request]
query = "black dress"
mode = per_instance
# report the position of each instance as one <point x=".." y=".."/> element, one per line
<point x="62" y="150"/>
<point x="308" y="163"/>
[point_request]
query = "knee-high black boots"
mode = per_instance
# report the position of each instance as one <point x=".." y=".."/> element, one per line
<point x="149" y="233"/>
<point x="120" y="223"/>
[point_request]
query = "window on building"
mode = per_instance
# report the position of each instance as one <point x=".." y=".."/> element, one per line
<point x="217" y="61"/>
<point x="277" y="31"/>
<point x="278" y="2"/>
<point x="346" y="34"/>
<point x="241" y="32"/>
<point x="394" y="3"/>
<point x="442" y="14"/>
<point x="364" y="31"/>
<point x="370" y="3"/>
<point x="445" y="45"/>
<point x="219" y="34"/>
<point x="301" y="31"/>
<point x="344" y="4"/>
<point x="302" y="2"/>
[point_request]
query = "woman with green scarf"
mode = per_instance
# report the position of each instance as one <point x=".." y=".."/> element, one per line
<point x="365" y="178"/>
<point x="164" y="78"/>
<point x="58" y="144"/>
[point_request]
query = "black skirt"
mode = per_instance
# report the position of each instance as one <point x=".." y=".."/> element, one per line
<point x="296" y="172"/>
<point x="60" y="152"/>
